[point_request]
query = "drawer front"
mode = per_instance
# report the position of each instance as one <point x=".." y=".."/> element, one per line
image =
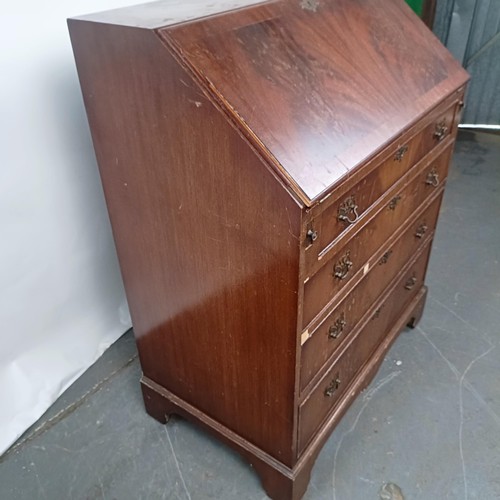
<point x="352" y="257"/>
<point x="327" y="393"/>
<point x="335" y="329"/>
<point x="348" y="211"/>
<point x="437" y="131"/>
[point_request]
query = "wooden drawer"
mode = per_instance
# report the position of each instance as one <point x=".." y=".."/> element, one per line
<point x="353" y="257"/>
<point x="323" y="398"/>
<point x="335" y="329"/>
<point x="441" y="126"/>
<point x="351" y="207"/>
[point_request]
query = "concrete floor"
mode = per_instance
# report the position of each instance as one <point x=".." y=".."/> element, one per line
<point x="428" y="427"/>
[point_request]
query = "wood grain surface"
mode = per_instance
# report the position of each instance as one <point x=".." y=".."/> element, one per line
<point x="321" y="90"/>
<point x="208" y="241"/>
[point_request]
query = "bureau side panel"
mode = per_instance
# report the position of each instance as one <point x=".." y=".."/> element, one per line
<point x="208" y="240"/>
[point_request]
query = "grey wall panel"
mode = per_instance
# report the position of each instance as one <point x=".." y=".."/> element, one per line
<point x="442" y="20"/>
<point x="483" y="98"/>
<point x="485" y="25"/>
<point x="461" y="23"/>
<point x="471" y="31"/>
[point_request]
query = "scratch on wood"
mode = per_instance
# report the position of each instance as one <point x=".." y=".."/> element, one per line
<point x="290" y="225"/>
<point x="198" y="104"/>
<point x="311" y="5"/>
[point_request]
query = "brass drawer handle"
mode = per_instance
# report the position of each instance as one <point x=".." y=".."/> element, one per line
<point x="333" y="386"/>
<point x="394" y="202"/>
<point x="335" y="330"/>
<point x="343" y="266"/>
<point x="385" y="258"/>
<point x="411" y="282"/>
<point x="440" y="130"/>
<point x="432" y="178"/>
<point x="348" y="211"/>
<point x="421" y="230"/>
<point x="312" y="235"/>
<point x="401" y="152"/>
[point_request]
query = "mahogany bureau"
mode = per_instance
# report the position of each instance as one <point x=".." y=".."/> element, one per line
<point x="273" y="173"/>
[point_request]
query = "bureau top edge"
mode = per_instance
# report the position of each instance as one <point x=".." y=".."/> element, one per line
<point x="164" y="13"/>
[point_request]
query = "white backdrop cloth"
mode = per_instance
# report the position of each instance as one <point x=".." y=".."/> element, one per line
<point x="61" y="296"/>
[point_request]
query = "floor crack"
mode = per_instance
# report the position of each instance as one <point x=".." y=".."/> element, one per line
<point x="177" y="463"/>
<point x="461" y="382"/>
<point x="366" y="398"/>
